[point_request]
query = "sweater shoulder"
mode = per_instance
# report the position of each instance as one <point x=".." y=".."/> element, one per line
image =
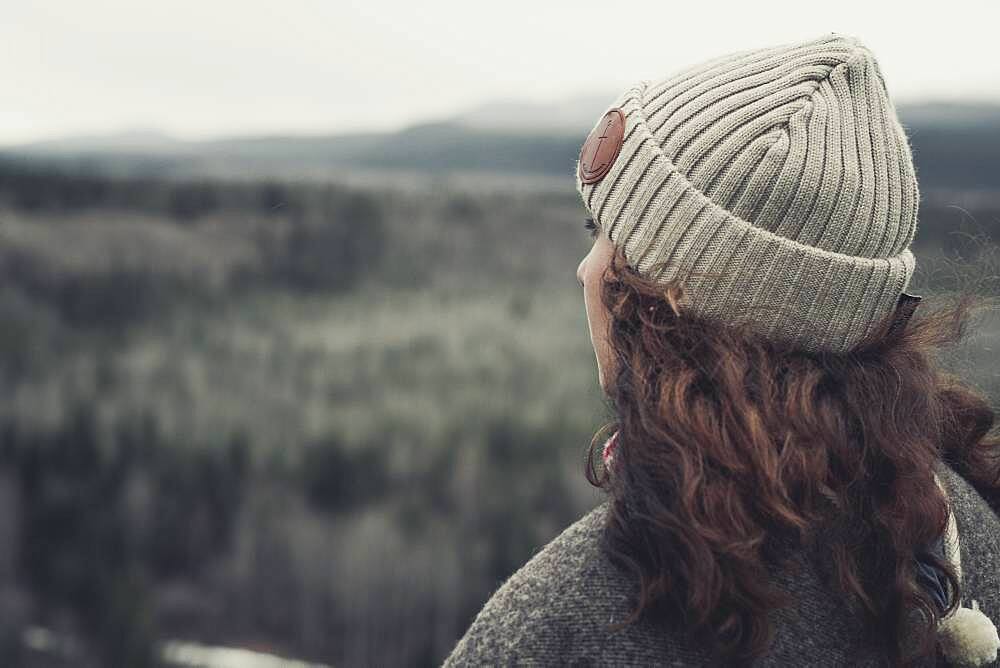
<point x="556" y="609"/>
<point x="541" y="609"/>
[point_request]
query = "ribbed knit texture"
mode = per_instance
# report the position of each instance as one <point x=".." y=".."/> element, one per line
<point x="778" y="182"/>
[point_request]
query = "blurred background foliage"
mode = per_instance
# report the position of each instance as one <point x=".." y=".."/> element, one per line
<point x="320" y="397"/>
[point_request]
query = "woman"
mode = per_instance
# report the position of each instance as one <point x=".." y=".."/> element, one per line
<point x="792" y="480"/>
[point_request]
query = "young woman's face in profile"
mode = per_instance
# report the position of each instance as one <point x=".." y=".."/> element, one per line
<point x="590" y="273"/>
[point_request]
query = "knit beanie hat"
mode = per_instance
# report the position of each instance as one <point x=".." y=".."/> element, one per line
<point x="776" y="182"/>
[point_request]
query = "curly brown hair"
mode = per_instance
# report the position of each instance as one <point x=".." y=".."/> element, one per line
<point x="731" y="448"/>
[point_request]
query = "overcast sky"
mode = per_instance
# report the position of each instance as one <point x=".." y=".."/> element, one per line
<point x="206" y="68"/>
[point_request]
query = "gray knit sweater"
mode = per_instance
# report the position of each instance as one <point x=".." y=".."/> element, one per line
<point x="554" y="609"/>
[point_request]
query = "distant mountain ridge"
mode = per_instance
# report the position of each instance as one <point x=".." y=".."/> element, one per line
<point x="956" y="144"/>
<point x="573" y="115"/>
<point x="127" y="140"/>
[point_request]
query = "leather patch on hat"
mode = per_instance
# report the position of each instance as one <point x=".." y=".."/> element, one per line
<point x="602" y="147"/>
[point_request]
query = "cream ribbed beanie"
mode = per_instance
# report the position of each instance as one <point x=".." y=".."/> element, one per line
<point x="777" y="182"/>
